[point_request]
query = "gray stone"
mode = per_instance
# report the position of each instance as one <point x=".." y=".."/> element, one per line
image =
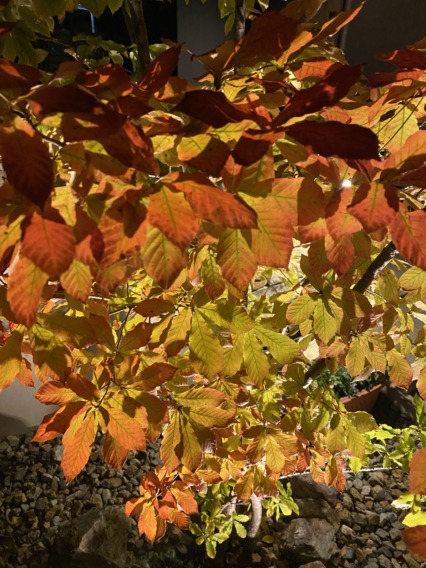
<point x="319" y="509"/>
<point x="303" y="486"/>
<point x="384" y="562"/>
<point x="316" y="564"/>
<point x="100" y="533"/>
<point x="308" y="539"/>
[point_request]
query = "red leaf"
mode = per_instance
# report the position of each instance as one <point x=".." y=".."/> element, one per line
<point x="77" y="442"/>
<point x="404" y="58"/>
<point x="69" y="98"/>
<point x="328" y="92"/>
<point x="336" y="139"/>
<point x="170" y="212"/>
<point x="211" y="107"/>
<point x="159" y="71"/>
<point x="108" y="82"/>
<point x="213" y="204"/>
<point x="25" y="286"/>
<point x="417" y="479"/>
<point x="407" y="232"/>
<point x="415" y="539"/>
<point x="91" y="125"/>
<point x="26" y="161"/>
<point x="49" y="244"/>
<point x="387" y="78"/>
<point x="253" y="145"/>
<point x="375" y="205"/>
<point x="17" y="77"/>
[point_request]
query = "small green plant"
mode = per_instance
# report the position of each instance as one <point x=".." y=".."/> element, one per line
<point x="343" y="384"/>
<point x="282" y="504"/>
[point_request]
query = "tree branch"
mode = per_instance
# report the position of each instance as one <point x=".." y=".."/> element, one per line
<point x="136" y="26"/>
<point x="361" y="286"/>
<point x="240" y="20"/>
<point x="256" y="516"/>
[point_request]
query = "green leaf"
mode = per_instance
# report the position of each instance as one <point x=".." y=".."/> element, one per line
<point x="325" y="324"/>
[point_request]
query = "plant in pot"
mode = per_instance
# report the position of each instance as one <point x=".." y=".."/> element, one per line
<point x="355" y="394"/>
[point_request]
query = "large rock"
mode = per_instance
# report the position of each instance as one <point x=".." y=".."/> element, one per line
<point x="304" y="487"/>
<point x="318" y="509"/>
<point x="97" y="539"/>
<point x="305" y="540"/>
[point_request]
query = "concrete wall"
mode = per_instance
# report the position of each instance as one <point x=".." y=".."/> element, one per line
<point x="19" y="410"/>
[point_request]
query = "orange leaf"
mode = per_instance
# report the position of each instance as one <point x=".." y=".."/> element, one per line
<point x="407" y="232"/>
<point x="83" y="388"/>
<point x="171" y="213"/>
<point x="159" y="71"/>
<point x="340" y="252"/>
<point x="77" y="442"/>
<point x="56" y="423"/>
<point x="113" y="452"/>
<point x="235" y="259"/>
<point x="213" y="204"/>
<point x="10" y="360"/>
<point x="417" y="480"/>
<point x="162" y="260"/>
<point x="339" y="221"/>
<point x="184" y="498"/>
<point x="26" y="161"/>
<point x="272" y="242"/>
<point x="300" y="200"/>
<point x="25" y="286"/>
<point x="204" y="153"/>
<point x="375" y="205"/>
<point x="77" y="280"/>
<point x="154" y="376"/>
<point x="126" y="430"/>
<point x="171" y="440"/>
<point x="50" y="245"/>
<point x="415" y="539"/>
<point x="55" y="392"/>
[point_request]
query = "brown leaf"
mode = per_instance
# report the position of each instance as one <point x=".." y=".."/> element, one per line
<point x="26" y="161"/>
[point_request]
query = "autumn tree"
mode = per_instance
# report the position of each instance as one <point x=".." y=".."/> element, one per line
<point x="181" y="261"/>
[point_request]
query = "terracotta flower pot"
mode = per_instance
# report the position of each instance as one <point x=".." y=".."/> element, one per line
<point x="364" y="400"/>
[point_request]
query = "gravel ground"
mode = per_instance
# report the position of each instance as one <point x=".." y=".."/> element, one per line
<point x="35" y="501"/>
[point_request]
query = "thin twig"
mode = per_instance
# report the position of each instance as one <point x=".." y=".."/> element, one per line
<point x="240" y="20"/>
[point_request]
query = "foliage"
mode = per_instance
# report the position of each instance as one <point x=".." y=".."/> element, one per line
<point x="343" y="385"/>
<point x="177" y="261"/>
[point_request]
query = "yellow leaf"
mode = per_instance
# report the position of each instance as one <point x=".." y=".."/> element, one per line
<point x="300" y="309"/>
<point x="325" y="324"/>
<point x="399" y="370"/>
<point x="205" y="350"/>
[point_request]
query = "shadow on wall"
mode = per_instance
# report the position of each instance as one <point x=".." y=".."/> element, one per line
<point x="9" y="425"/>
<point x="20" y="412"/>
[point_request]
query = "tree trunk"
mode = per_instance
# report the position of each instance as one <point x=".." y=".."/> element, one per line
<point x="240" y="20"/>
<point x="136" y="26"/>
